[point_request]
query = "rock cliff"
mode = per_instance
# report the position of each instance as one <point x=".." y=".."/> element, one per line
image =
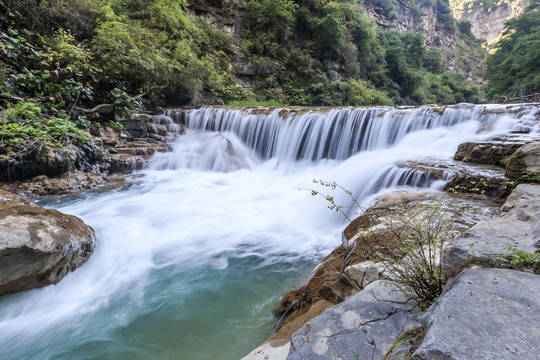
<point x="487" y="22"/>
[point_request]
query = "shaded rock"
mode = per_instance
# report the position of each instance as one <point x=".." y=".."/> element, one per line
<point x="517" y="227"/>
<point x="495" y="151"/>
<point x="50" y="162"/>
<point x="102" y="112"/>
<point x="38" y="246"/>
<point x="526" y="158"/>
<point x="484" y="314"/>
<point x="463" y="178"/>
<point x="367" y="325"/>
<point x="71" y="182"/>
<point x="490" y="182"/>
<point x="373" y="272"/>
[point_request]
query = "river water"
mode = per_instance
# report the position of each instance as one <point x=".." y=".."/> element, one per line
<point x="192" y="256"/>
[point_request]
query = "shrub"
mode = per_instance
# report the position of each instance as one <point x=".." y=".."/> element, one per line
<point x="24" y="127"/>
<point x="408" y="238"/>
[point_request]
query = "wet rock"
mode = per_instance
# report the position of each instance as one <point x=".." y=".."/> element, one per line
<point x="38" y="246"/>
<point x="495" y="151"/>
<point x="134" y="155"/>
<point x="525" y="159"/>
<point x="367" y="324"/>
<point x="463" y="178"/>
<point x="72" y="182"/>
<point x="484" y="314"/>
<point x="489" y="182"/>
<point x="517" y="227"/>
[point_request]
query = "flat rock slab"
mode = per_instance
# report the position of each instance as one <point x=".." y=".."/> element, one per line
<point x="485" y="314"/>
<point x="366" y="325"/>
<point x="517" y="227"/>
<point x="38" y="246"/>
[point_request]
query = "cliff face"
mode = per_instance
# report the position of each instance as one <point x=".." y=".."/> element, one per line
<point x="488" y="22"/>
<point x="225" y="14"/>
<point x="419" y="17"/>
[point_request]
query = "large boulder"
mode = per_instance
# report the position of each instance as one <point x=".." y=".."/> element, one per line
<point x="484" y="314"/>
<point x="494" y="151"/>
<point x="38" y="246"/>
<point x="518" y="227"/>
<point x="366" y="325"/>
<point x="525" y="159"/>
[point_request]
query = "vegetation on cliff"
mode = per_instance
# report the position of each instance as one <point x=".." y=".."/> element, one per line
<point x="135" y="52"/>
<point x="514" y="69"/>
<point x="58" y="58"/>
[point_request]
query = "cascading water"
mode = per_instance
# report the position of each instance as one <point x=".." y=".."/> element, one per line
<point x="191" y="257"/>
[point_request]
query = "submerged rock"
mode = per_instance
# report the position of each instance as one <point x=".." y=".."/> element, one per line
<point x="484" y="314"/>
<point x="38" y="246"/>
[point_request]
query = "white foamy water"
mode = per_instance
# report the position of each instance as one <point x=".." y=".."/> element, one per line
<point x="190" y="259"/>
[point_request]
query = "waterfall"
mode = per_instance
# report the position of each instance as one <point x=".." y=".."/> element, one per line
<point x="305" y="134"/>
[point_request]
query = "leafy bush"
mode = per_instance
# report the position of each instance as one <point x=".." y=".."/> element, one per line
<point x="407" y="238"/>
<point x="24" y="127"/>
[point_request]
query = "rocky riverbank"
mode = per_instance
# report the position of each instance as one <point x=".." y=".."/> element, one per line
<point x="113" y="149"/>
<point x="39" y="246"/>
<point x="354" y="306"/>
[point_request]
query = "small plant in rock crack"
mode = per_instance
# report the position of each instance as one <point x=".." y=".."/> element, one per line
<point x="519" y="258"/>
<point x="407" y="238"/>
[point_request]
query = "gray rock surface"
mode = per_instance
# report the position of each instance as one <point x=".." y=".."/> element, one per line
<point x="38" y="246"/>
<point x="494" y="151"/>
<point x="367" y="325"/>
<point x="518" y="227"/>
<point x="484" y="314"/>
<point x="526" y="158"/>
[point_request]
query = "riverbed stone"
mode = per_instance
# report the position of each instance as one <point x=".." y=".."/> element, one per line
<point x="484" y="314"/>
<point x="38" y="246"/>
<point x="518" y="227"/>
<point x="366" y="324"/>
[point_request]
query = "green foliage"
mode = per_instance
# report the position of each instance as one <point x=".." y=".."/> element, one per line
<point x="24" y="127"/>
<point x="514" y="68"/>
<point x="528" y="176"/>
<point x="255" y="103"/>
<point x="519" y="258"/>
<point x="125" y="104"/>
<point x="304" y="52"/>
